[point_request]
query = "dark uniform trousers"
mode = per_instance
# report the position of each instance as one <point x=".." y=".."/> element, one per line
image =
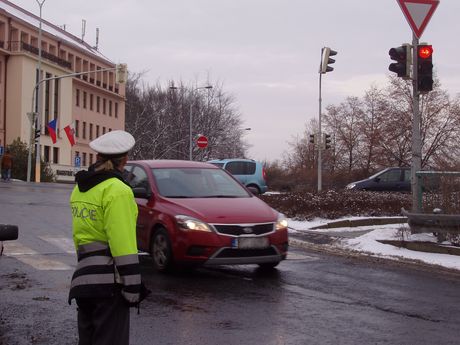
<point x="103" y="321"/>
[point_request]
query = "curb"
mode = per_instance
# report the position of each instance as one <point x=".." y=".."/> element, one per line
<point x="349" y="223"/>
<point x="349" y="253"/>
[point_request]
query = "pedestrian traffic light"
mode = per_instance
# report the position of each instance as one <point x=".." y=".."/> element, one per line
<point x="327" y="141"/>
<point x="424" y="68"/>
<point x="36" y="133"/>
<point x="326" y="53"/>
<point x="312" y="138"/>
<point x="403" y="57"/>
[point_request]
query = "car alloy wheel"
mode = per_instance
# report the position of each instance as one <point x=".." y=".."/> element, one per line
<point x="161" y="251"/>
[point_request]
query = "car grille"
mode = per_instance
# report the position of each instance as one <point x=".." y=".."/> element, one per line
<point x="242" y="253"/>
<point x="244" y="229"/>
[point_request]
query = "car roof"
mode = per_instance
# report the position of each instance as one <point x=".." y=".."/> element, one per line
<point x="170" y="163"/>
<point x="225" y="160"/>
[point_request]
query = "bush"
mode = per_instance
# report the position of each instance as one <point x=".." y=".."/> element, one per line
<point x="336" y="204"/>
<point x="20" y="154"/>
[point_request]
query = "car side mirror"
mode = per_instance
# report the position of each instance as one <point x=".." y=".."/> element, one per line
<point x="8" y="232"/>
<point x="142" y="193"/>
<point x="377" y="179"/>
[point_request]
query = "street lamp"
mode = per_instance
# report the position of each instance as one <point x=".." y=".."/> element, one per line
<point x="37" y="119"/>
<point x="191" y="116"/>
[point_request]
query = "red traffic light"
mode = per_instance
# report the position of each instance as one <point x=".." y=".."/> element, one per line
<point x="425" y="52"/>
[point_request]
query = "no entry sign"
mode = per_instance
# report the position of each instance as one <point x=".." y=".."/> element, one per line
<point x="202" y="142"/>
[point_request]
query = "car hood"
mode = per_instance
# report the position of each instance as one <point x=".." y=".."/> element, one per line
<point x="223" y="210"/>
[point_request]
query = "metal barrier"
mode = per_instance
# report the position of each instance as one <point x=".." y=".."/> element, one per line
<point x="439" y="200"/>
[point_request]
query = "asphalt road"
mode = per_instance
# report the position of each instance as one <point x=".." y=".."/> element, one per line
<point x="312" y="298"/>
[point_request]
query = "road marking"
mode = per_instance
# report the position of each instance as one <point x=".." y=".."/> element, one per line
<point x="33" y="258"/>
<point x="64" y="243"/>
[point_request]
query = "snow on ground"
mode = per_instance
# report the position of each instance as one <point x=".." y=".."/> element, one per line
<point x="368" y="242"/>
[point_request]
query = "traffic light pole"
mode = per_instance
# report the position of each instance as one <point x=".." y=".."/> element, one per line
<point x="319" y="135"/>
<point x="416" y="142"/>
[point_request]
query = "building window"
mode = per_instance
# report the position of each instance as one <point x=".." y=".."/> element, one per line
<point x="84" y="99"/>
<point x="55" y="155"/>
<point x="90" y="159"/>
<point x="103" y="130"/>
<point x="97" y="131"/>
<point x="83" y="134"/>
<point x="110" y="129"/>
<point x="116" y="109"/>
<point x="46" y="154"/>
<point x="77" y="100"/>
<point x="84" y="159"/>
<point x="110" y="108"/>
<point x="90" y="131"/>
<point x="91" y="101"/>
<point x="104" y="104"/>
<point x="77" y="129"/>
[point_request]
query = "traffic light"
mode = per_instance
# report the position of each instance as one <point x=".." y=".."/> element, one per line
<point x="326" y="53"/>
<point x="36" y="134"/>
<point x="312" y="138"/>
<point x="403" y="57"/>
<point x="121" y="73"/>
<point x="327" y="141"/>
<point x="425" y="68"/>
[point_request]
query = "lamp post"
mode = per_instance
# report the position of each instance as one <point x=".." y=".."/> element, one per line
<point x="38" y="118"/>
<point x="191" y="117"/>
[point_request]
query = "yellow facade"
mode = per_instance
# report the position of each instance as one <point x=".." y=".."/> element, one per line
<point x="93" y="101"/>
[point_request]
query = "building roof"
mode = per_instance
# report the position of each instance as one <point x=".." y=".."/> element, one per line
<point x="50" y="29"/>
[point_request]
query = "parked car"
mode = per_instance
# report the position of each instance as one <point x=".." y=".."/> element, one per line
<point x="249" y="172"/>
<point x="194" y="213"/>
<point x="390" y="179"/>
<point x="7" y="233"/>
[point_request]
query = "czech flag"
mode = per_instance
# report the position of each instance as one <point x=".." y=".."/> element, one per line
<point x="70" y="132"/>
<point x="52" y="129"/>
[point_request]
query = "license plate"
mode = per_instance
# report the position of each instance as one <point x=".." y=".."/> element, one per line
<point x="250" y="242"/>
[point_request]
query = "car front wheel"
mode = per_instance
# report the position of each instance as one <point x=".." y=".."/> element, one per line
<point x="161" y="251"/>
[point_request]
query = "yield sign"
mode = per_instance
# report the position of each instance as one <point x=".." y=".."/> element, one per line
<point x="418" y="13"/>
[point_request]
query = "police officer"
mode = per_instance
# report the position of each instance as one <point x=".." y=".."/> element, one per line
<point x="107" y="279"/>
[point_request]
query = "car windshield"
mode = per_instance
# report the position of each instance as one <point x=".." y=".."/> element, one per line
<point x="197" y="183"/>
<point x="377" y="174"/>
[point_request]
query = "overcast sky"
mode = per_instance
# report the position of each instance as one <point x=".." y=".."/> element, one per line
<point x="265" y="52"/>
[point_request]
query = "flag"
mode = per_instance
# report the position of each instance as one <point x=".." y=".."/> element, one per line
<point x="70" y="132"/>
<point x="52" y="129"/>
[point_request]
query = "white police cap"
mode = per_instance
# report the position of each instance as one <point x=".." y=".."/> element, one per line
<point x="113" y="143"/>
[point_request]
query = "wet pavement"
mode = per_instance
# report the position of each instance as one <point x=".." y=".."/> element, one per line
<point x="310" y="298"/>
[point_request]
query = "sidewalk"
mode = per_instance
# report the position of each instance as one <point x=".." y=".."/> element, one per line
<point x="384" y="238"/>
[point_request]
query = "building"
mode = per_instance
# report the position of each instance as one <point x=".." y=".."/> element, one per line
<point x="94" y="103"/>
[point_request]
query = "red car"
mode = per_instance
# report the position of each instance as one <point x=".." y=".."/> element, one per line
<point x="196" y="213"/>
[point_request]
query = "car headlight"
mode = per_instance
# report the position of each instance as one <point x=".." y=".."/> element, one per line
<point x="350" y="186"/>
<point x="281" y="222"/>
<point x="187" y="223"/>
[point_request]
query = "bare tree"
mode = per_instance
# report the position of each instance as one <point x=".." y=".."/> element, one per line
<point x="375" y="131"/>
<point x="159" y="120"/>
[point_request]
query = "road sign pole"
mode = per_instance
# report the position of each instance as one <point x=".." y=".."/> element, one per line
<point x="416" y="142"/>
